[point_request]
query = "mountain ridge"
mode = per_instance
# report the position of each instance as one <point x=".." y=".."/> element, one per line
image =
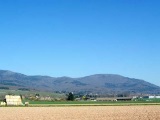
<point x="97" y="83"/>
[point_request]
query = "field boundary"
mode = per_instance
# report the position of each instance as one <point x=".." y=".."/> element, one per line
<point x="79" y="105"/>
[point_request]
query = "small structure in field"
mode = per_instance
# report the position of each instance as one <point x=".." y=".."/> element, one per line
<point x="3" y="104"/>
<point x="13" y="100"/>
<point x="26" y="103"/>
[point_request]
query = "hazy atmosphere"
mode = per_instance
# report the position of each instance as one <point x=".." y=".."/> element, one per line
<point x="76" y="38"/>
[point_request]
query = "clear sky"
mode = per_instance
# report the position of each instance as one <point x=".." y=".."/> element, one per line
<point x="81" y="37"/>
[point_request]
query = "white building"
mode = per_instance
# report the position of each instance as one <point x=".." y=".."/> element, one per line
<point x="151" y="97"/>
<point x="13" y="100"/>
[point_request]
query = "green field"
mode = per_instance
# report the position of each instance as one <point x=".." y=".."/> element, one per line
<point x="88" y="102"/>
<point x="91" y="103"/>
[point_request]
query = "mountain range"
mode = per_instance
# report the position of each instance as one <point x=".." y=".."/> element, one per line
<point x="98" y="83"/>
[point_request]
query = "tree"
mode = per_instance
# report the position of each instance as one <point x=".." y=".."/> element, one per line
<point x="37" y="95"/>
<point x="70" y="97"/>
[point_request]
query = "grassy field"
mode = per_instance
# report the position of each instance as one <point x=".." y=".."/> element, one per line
<point x="91" y="103"/>
<point x="88" y="102"/>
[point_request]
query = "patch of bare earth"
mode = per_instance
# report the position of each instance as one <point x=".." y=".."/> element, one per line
<point x="81" y="113"/>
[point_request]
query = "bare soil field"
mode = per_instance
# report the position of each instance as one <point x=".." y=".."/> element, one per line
<point x="81" y="113"/>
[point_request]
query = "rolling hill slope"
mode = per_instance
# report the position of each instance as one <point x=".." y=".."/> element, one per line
<point x="99" y="83"/>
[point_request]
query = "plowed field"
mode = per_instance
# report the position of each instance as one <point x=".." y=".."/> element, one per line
<point x="81" y="113"/>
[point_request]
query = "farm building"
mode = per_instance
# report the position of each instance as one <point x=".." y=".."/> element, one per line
<point x="151" y="97"/>
<point x="106" y="99"/>
<point x="115" y="99"/>
<point x="13" y="100"/>
<point x="124" y="98"/>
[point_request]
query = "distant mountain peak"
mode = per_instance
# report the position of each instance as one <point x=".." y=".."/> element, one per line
<point x="97" y="83"/>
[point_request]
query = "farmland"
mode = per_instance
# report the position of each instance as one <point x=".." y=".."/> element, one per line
<point x="89" y="103"/>
<point x="81" y="113"/>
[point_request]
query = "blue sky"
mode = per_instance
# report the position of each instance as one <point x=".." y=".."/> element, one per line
<point x="81" y="37"/>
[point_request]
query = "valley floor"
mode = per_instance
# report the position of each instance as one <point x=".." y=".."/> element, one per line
<point x="81" y="113"/>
